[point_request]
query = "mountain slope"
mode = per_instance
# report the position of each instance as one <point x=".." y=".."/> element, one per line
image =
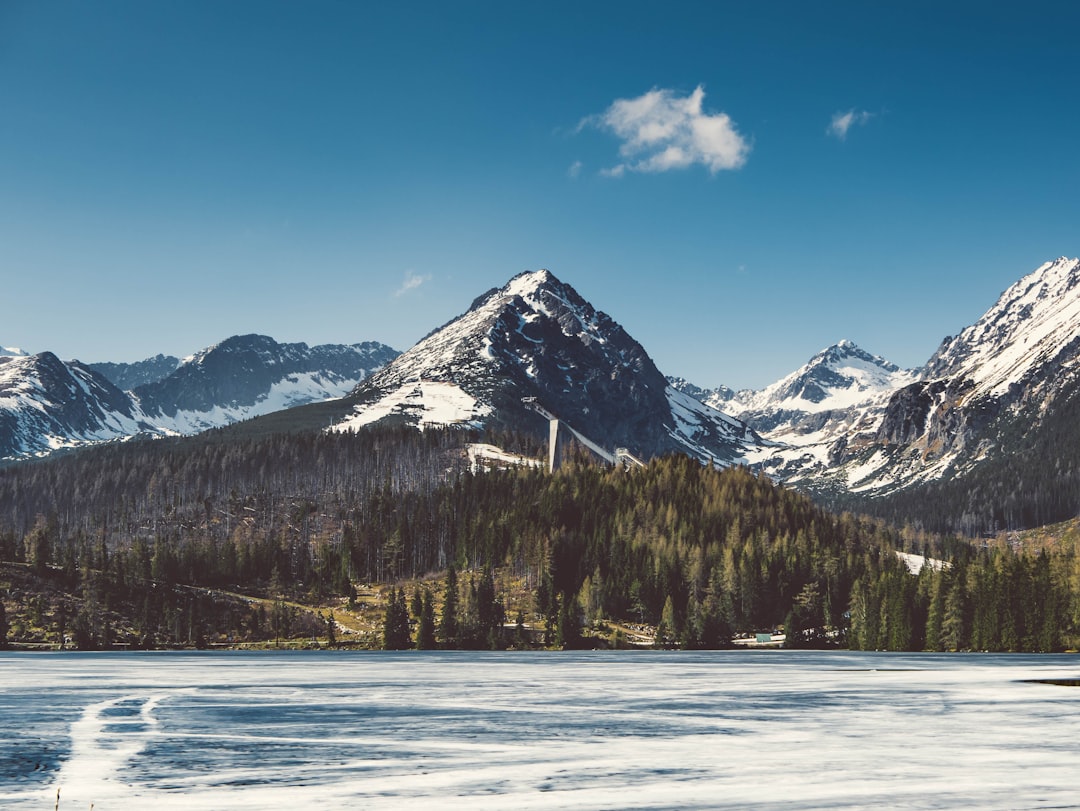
<point x="536" y="337"/>
<point x="819" y="412"/>
<point x="851" y="423"/>
<point x="981" y="402"/>
<point x="46" y="404"/>
<point x="248" y="375"/>
<point x="1013" y="364"/>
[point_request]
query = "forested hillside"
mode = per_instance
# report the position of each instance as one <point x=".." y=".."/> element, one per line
<point x="693" y="554"/>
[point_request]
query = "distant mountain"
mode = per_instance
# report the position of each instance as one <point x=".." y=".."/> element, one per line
<point x="12" y="352"/>
<point x="249" y="375"/>
<point x="849" y="422"/>
<point x="833" y="402"/>
<point x="47" y="404"/>
<point x="536" y="337"/>
<point x="127" y="376"/>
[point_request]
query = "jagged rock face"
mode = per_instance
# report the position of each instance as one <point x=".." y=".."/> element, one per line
<point x="536" y="337"/>
<point x="47" y="404"/>
<point x="1032" y="324"/>
<point x="127" y="376"/>
<point x="713" y="397"/>
<point x="906" y="414"/>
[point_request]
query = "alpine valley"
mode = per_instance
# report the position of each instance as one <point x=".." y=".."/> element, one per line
<point x="257" y="492"/>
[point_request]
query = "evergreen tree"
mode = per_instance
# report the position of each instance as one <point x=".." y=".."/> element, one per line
<point x="39" y="546"/>
<point x="425" y="635"/>
<point x="416" y="604"/>
<point x="954" y="625"/>
<point x="396" y="635"/>
<point x="448" y="622"/>
<point x="665" y="630"/>
<point x="3" y="627"/>
<point x="568" y="628"/>
<point x="936" y="613"/>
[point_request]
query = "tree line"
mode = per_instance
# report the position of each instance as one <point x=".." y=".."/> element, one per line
<point x="698" y="555"/>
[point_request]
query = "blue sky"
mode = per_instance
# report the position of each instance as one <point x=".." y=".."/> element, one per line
<point x="172" y="173"/>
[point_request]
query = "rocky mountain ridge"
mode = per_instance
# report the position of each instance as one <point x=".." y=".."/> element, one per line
<point x="536" y="337"/>
<point x="47" y="404"/>
<point x="850" y="421"/>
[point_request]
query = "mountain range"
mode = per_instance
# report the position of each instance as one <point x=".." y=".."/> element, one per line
<point x="847" y="422"/>
<point x="47" y="404"/>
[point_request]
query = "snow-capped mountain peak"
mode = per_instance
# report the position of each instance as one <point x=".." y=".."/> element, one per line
<point x="46" y="404"/>
<point x="12" y="352"/>
<point x="537" y="337"/>
<point x="1030" y="325"/>
<point x="838" y="377"/>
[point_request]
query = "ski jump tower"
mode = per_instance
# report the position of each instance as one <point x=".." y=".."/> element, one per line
<point x="621" y="456"/>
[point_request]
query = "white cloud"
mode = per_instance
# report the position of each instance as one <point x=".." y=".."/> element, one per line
<point x="575" y="169"/>
<point x="412" y="281"/>
<point x="842" y="122"/>
<point x="662" y="131"/>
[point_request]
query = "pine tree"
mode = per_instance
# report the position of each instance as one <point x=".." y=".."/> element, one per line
<point x="568" y="629"/>
<point x="425" y="635"/>
<point x="665" y="631"/>
<point x="954" y="626"/>
<point x="448" y="622"/>
<point x="38" y="546"/>
<point x="396" y="634"/>
<point x="936" y="614"/>
<point x="3" y="627"/>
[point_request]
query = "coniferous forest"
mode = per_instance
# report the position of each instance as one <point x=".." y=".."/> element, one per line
<point x="388" y="537"/>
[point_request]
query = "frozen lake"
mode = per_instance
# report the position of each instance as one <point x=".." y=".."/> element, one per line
<point x="597" y="730"/>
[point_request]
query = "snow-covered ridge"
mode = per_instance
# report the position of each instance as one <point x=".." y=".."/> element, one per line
<point x="1029" y="325"/>
<point x="46" y="403"/>
<point x="836" y="378"/>
<point x="12" y="352"/>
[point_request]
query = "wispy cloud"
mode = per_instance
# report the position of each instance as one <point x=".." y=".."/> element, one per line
<point x="575" y="169"/>
<point x="661" y="130"/>
<point x="842" y="122"/>
<point x="412" y="281"/>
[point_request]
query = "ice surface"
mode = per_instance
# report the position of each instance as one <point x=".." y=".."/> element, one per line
<point x="736" y="730"/>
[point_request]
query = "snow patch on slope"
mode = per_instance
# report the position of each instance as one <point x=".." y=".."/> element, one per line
<point x="292" y="390"/>
<point x="423" y="403"/>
